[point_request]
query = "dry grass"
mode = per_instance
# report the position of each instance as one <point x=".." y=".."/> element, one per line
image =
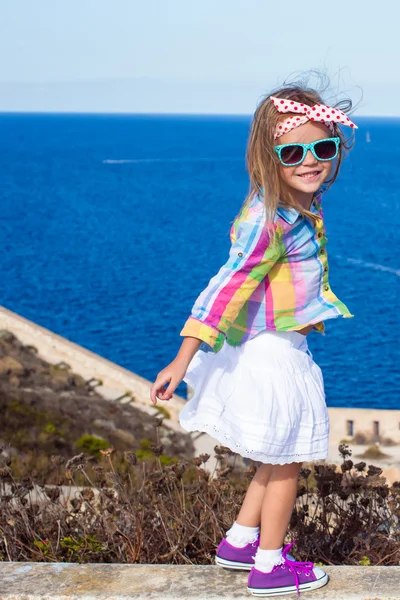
<point x="154" y="513"/>
<point x="373" y="453"/>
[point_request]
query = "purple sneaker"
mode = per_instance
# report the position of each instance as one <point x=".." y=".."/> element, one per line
<point x="238" y="559"/>
<point x="286" y="578"/>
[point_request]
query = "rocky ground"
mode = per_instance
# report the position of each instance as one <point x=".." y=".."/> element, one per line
<point x="48" y="410"/>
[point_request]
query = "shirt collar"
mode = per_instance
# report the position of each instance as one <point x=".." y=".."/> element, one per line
<point x="290" y="215"/>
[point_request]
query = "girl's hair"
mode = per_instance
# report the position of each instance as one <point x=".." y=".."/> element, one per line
<point x="262" y="161"/>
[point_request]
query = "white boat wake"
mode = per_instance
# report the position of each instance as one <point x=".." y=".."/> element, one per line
<point x="369" y="265"/>
<point x="117" y="161"/>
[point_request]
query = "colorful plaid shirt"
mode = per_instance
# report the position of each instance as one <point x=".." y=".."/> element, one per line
<point x="263" y="286"/>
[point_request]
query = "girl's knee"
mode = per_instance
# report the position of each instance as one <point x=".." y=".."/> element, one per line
<point x="263" y="473"/>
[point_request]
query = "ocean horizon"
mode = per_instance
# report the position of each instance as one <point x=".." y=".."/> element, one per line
<point x="5" y="112"/>
<point x="113" y="223"/>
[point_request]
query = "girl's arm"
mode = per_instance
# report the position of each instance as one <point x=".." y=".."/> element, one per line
<point x="175" y="372"/>
<point x="251" y="257"/>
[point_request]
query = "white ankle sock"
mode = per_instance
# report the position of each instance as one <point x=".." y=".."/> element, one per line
<point x="240" y="535"/>
<point x="266" y="559"/>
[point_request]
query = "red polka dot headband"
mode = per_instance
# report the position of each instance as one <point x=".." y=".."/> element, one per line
<point x="324" y="114"/>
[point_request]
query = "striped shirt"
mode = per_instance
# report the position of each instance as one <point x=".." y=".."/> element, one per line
<point x="263" y="286"/>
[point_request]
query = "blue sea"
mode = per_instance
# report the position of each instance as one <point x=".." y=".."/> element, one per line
<point x="112" y="224"/>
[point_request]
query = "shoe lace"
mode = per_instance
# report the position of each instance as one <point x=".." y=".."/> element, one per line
<point x="296" y="567"/>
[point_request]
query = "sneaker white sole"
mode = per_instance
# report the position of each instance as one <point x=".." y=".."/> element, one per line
<point x="234" y="566"/>
<point x="290" y="589"/>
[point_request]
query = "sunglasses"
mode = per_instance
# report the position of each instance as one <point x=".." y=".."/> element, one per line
<point x="294" y="154"/>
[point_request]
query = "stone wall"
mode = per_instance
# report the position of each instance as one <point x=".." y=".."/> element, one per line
<point x="375" y="424"/>
<point x="70" y="581"/>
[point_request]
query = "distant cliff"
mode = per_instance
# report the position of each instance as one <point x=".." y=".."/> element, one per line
<point x="47" y="410"/>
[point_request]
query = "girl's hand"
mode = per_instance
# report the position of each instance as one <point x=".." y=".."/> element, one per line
<point x="173" y="375"/>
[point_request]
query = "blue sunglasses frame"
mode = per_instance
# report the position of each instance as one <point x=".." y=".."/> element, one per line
<point x="306" y="148"/>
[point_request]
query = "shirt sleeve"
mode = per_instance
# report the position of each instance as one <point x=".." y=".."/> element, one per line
<point x="251" y="256"/>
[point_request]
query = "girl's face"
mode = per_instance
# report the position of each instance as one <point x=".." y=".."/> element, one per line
<point x="303" y="180"/>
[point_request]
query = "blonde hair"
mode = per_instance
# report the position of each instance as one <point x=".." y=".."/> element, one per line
<point x="262" y="161"/>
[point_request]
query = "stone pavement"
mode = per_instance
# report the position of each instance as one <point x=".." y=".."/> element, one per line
<point x="71" y="581"/>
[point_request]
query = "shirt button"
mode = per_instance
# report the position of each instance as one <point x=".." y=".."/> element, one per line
<point x="240" y="253"/>
<point x="320" y="234"/>
<point x="322" y="251"/>
<point x="326" y="288"/>
<point x="325" y="269"/>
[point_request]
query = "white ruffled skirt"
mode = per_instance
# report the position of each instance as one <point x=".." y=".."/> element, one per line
<point x="264" y="399"/>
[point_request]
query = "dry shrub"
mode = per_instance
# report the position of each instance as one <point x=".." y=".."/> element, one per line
<point x="349" y="516"/>
<point x="373" y="453"/>
<point x="362" y="438"/>
<point x="155" y="513"/>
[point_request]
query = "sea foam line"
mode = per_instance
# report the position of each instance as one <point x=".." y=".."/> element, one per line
<point x="369" y="265"/>
<point x="114" y="161"/>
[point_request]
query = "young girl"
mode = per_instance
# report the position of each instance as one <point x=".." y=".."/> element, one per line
<point x="256" y="388"/>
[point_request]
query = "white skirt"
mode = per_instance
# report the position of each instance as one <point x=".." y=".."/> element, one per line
<point x="264" y="399"/>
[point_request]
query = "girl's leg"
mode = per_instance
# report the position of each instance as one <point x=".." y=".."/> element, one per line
<point x="250" y="513"/>
<point x="265" y="579"/>
<point x="277" y="504"/>
<point x="269" y="500"/>
<point x="246" y="527"/>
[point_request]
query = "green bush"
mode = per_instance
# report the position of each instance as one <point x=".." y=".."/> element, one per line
<point x="145" y="454"/>
<point x="78" y="547"/>
<point x="374" y="453"/>
<point x="42" y="546"/>
<point x="145" y="444"/>
<point x="167" y="460"/>
<point x="92" y="444"/>
<point x="163" y="411"/>
<point x="49" y="428"/>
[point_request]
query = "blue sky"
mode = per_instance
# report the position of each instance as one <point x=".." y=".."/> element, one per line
<point x="181" y="56"/>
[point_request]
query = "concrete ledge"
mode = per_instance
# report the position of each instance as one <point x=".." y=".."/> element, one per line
<point x="53" y="348"/>
<point x="72" y="581"/>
